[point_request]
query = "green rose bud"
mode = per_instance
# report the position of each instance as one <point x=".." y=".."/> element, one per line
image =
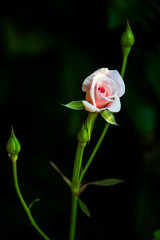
<point x="13" y="147"/>
<point x="90" y="123"/>
<point x="83" y="136"/>
<point x="127" y="38"/>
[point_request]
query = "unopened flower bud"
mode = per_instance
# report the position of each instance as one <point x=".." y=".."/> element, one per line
<point x="83" y="135"/>
<point x="13" y="147"/>
<point x="90" y="123"/>
<point x="127" y="38"/>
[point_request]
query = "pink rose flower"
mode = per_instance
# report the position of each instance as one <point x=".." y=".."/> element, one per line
<point x="103" y="91"/>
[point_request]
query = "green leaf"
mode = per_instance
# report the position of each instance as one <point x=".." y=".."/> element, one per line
<point x="62" y="175"/>
<point x="106" y="182"/>
<point x="75" y="105"/>
<point x="157" y="233"/>
<point x="32" y="203"/>
<point x="84" y="208"/>
<point x="107" y="115"/>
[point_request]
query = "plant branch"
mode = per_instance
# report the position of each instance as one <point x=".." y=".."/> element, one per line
<point x="75" y="181"/>
<point x="94" y="152"/>
<point x="26" y="208"/>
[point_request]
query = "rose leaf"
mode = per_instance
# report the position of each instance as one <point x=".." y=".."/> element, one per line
<point x="84" y="208"/>
<point x="107" y="182"/>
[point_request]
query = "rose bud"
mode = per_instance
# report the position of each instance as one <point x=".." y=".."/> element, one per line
<point x="127" y="38"/>
<point x="82" y="136"/>
<point x="13" y="147"/>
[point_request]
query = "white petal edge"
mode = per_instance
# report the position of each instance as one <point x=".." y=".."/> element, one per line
<point x="114" y="74"/>
<point x="88" y="81"/>
<point x="90" y="108"/>
<point x="104" y="71"/>
<point x="115" y="106"/>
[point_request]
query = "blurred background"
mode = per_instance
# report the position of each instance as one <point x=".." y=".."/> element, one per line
<point x="47" y="49"/>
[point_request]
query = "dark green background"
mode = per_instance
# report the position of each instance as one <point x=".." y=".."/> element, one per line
<point x="47" y="49"/>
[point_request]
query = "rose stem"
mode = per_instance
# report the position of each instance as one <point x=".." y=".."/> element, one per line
<point x="125" y="52"/>
<point x="75" y="188"/>
<point x="94" y="151"/>
<point x="124" y="62"/>
<point x="76" y="180"/>
<point x="26" y="208"/>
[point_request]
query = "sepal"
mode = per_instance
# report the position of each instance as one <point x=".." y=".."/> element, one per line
<point x="108" y="116"/>
<point x="75" y="105"/>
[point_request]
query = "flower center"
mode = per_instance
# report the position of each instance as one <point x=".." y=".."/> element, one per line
<point x="103" y="91"/>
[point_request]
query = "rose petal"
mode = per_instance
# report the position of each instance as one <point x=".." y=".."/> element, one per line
<point x="107" y="83"/>
<point x="101" y="100"/>
<point x="88" y="97"/>
<point x="101" y="109"/>
<point x="114" y="74"/>
<point x="96" y="79"/>
<point x="87" y="83"/>
<point x="114" y="106"/>
<point x="104" y="71"/>
<point x="89" y="107"/>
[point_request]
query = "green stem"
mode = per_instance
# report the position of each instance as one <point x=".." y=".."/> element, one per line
<point x="73" y="217"/>
<point x="125" y="52"/>
<point x="77" y="164"/>
<point x="77" y="178"/>
<point x="75" y="188"/>
<point x="94" y="152"/>
<point x="27" y="210"/>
